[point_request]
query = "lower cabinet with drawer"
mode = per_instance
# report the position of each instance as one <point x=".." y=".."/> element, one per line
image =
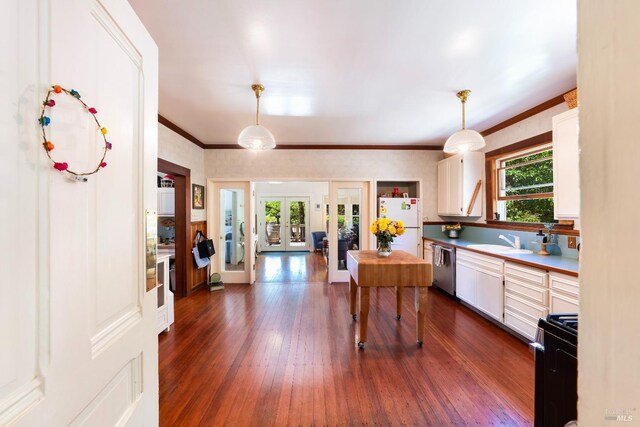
<point x="565" y="293"/>
<point x="513" y="294"/>
<point x="526" y="298"/>
<point x="479" y="282"/>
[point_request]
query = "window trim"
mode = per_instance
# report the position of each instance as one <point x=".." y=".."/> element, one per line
<point x="540" y="141"/>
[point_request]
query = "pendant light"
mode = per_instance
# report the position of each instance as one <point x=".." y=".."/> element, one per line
<point x="257" y="137"/>
<point x="464" y="139"/>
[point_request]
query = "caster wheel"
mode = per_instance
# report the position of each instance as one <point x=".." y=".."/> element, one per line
<point x="354" y="317"/>
<point x="360" y="345"/>
<point x="398" y="317"/>
<point x="419" y="343"/>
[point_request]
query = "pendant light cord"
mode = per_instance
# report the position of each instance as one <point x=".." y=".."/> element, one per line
<point x="463" y="115"/>
<point x="257" y="109"/>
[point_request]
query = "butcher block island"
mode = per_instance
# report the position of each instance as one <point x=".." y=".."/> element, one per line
<point x="400" y="269"/>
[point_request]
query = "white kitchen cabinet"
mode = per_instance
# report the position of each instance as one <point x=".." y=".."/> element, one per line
<point x="165" y="296"/>
<point x="479" y="282"/>
<point x="489" y="293"/>
<point x="526" y="298"/>
<point x="465" y="282"/>
<point x="565" y="293"/>
<point x="427" y="253"/>
<point x="457" y="179"/>
<point x="566" y="173"/>
<point x="166" y="201"/>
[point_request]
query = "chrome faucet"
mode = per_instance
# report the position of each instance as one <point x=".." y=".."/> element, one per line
<point x="515" y="243"/>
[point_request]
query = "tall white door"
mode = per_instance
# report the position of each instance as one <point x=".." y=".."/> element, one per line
<point x="348" y="225"/>
<point x="78" y="344"/>
<point x="229" y="215"/>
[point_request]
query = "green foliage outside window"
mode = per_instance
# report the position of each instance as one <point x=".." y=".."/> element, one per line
<point x="272" y="212"/>
<point x="534" y="178"/>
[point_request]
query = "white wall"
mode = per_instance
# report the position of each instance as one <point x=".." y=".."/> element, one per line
<point x="315" y="191"/>
<point x="527" y="128"/>
<point x="176" y="149"/>
<point x="609" y="352"/>
<point x="319" y="165"/>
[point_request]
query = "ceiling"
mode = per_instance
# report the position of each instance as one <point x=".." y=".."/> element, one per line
<point x="357" y="71"/>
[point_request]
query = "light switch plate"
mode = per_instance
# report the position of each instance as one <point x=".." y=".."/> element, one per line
<point x="571" y="242"/>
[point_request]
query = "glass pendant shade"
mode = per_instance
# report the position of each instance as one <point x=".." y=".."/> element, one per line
<point x="256" y="137"/>
<point x="464" y="139"/>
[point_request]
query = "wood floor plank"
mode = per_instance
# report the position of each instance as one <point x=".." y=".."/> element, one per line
<point x="282" y="352"/>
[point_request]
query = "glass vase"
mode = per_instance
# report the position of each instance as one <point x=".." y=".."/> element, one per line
<point x="384" y="249"/>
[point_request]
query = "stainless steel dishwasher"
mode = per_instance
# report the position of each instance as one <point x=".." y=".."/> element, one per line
<point x="444" y="268"/>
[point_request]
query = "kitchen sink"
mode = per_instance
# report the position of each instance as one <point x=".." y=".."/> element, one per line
<point x="500" y="249"/>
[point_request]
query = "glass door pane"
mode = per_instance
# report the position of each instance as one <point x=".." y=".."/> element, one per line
<point x="348" y="224"/>
<point x="296" y="222"/>
<point x="272" y="217"/>
<point x="349" y="201"/>
<point x="232" y="226"/>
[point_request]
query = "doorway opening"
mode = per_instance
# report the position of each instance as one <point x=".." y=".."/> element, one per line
<point x="291" y="230"/>
<point x="175" y="211"/>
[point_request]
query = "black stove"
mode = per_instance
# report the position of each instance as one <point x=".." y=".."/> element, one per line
<point x="556" y="376"/>
<point x="565" y="321"/>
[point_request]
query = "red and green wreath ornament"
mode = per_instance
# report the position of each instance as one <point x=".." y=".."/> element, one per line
<point x="45" y="122"/>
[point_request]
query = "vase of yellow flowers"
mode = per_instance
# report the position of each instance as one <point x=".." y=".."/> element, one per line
<point x="385" y="230"/>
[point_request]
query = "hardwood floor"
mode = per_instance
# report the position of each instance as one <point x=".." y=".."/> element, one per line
<point x="283" y="267"/>
<point x="284" y="353"/>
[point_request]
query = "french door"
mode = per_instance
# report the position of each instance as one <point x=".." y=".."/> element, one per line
<point x="348" y="224"/>
<point x="284" y="224"/>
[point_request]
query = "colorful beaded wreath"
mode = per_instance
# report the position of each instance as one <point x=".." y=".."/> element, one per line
<point x="48" y="145"/>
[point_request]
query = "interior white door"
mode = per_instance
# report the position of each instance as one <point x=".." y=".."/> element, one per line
<point x="348" y="224"/>
<point x="229" y="214"/>
<point x="73" y="253"/>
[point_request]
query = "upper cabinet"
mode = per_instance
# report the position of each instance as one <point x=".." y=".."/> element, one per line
<point x="460" y="185"/>
<point x="166" y="201"/>
<point x="566" y="174"/>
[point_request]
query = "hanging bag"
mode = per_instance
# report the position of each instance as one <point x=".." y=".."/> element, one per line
<point x="206" y="249"/>
<point x="202" y="250"/>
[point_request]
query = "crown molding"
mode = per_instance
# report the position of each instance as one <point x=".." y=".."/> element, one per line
<point x="556" y="100"/>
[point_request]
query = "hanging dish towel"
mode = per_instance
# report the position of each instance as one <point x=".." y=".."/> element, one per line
<point x="438" y="256"/>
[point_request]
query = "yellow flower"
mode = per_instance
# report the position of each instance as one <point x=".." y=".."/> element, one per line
<point x="392" y="229"/>
<point x="382" y="226"/>
<point x="400" y="224"/>
<point x="373" y="228"/>
<point x="400" y="231"/>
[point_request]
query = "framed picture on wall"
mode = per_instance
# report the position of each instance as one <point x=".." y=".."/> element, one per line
<point x="197" y="196"/>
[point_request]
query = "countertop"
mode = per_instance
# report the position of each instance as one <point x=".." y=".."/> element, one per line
<point x="162" y="256"/>
<point x="166" y="251"/>
<point x="555" y="263"/>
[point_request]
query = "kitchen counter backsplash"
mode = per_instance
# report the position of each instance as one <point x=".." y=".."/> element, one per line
<point x="490" y="236"/>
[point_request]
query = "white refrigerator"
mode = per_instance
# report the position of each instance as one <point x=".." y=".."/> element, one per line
<point x="407" y="210"/>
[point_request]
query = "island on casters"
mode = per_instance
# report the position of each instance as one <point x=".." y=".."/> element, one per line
<point x="398" y="270"/>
